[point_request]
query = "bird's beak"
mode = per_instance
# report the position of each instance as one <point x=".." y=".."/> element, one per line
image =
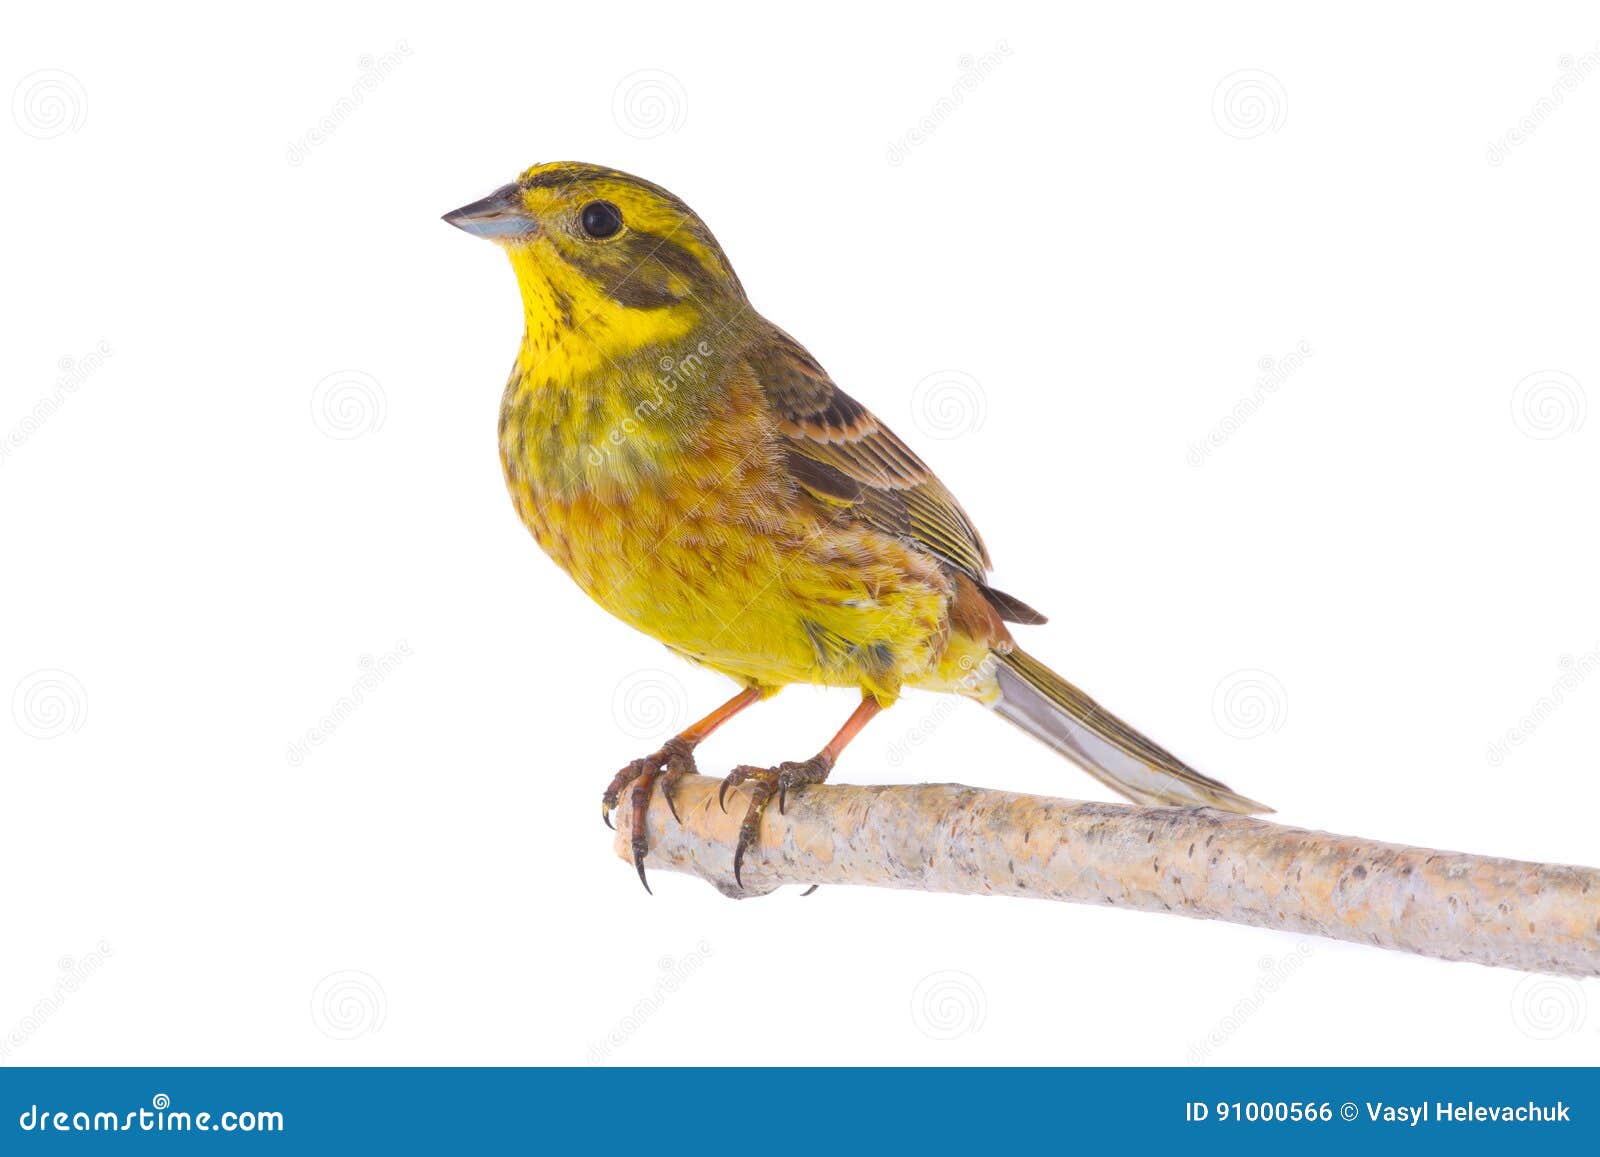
<point x="498" y="216"/>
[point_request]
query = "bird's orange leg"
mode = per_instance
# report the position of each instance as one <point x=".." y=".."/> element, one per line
<point x="776" y="781"/>
<point x="672" y="762"/>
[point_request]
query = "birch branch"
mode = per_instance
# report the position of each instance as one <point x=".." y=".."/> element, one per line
<point x="1193" y="862"/>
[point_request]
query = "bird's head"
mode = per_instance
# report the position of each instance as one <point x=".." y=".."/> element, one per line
<point x="613" y="255"/>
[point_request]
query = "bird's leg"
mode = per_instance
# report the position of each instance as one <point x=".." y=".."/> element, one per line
<point x="777" y="781"/>
<point x="671" y="763"/>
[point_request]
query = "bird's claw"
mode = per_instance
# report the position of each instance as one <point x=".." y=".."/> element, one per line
<point x="671" y="763"/>
<point x="767" y="782"/>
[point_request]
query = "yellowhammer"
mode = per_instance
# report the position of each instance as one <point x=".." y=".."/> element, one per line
<point x="699" y="475"/>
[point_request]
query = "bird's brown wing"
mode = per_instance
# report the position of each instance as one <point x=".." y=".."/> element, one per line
<point x="855" y="465"/>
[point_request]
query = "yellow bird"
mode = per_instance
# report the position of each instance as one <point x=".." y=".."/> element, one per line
<point x="700" y="476"/>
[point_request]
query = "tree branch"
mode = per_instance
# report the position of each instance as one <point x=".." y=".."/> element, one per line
<point x="1193" y="862"/>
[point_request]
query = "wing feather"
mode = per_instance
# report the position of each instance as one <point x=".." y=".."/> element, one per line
<point x="857" y="468"/>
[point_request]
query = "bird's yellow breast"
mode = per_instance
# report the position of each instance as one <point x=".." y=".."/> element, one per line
<point x="665" y="499"/>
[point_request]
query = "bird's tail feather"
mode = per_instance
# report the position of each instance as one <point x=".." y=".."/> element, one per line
<point x="1055" y="712"/>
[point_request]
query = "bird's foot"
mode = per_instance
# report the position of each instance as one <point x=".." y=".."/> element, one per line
<point x="767" y="782"/>
<point x="674" y="761"/>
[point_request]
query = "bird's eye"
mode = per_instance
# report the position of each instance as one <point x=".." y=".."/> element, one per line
<point x="600" y="219"/>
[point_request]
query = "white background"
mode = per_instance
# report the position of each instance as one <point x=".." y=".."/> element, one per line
<point x="286" y="463"/>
